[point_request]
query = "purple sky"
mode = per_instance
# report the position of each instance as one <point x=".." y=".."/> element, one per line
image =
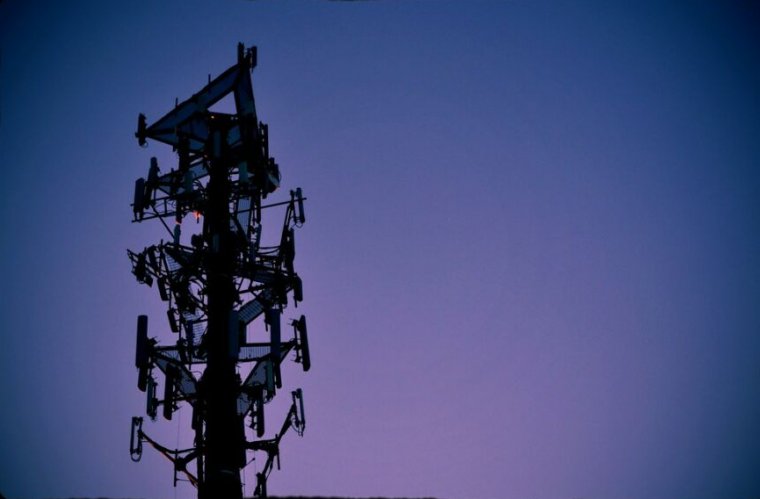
<point x="531" y="262"/>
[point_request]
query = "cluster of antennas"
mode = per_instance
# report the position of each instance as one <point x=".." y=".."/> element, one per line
<point x="263" y="276"/>
<point x="180" y="384"/>
<point x="259" y="278"/>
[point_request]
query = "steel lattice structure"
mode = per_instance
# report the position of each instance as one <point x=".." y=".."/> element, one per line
<point x="219" y="284"/>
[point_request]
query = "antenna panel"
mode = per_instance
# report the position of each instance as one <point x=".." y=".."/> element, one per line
<point x="172" y="321"/>
<point x="299" y="215"/>
<point x="162" y="288"/>
<point x="273" y="320"/>
<point x="169" y="389"/>
<point x="269" y="375"/>
<point x="151" y="401"/>
<point x="141" y="271"/>
<point x="260" y="414"/>
<point x="152" y="182"/>
<point x="297" y="290"/>
<point x="135" y="439"/>
<point x="298" y="406"/>
<point x="303" y="342"/>
<point x="142" y="379"/>
<point x="138" y="204"/>
<point x="141" y="350"/>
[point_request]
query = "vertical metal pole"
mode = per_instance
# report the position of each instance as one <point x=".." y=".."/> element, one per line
<point x="199" y="443"/>
<point x="224" y="429"/>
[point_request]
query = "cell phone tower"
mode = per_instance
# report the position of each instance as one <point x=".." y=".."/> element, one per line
<point x="221" y="284"/>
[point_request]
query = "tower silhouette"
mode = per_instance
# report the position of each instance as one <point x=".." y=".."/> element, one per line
<point x="222" y="286"/>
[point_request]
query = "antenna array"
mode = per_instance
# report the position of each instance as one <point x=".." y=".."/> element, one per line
<point x="220" y="284"/>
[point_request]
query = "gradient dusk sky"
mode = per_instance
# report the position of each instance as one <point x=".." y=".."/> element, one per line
<point x="531" y="262"/>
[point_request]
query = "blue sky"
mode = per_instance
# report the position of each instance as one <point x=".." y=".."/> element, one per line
<point x="531" y="262"/>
